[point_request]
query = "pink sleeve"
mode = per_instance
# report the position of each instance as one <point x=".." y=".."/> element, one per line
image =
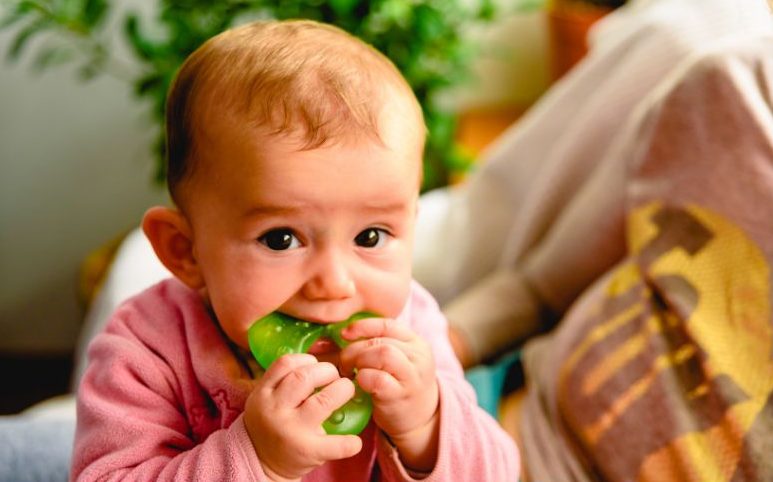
<point x="132" y="424"/>
<point x="472" y="444"/>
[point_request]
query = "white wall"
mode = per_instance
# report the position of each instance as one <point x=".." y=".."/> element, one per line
<point x="75" y="168"/>
<point x="75" y="171"/>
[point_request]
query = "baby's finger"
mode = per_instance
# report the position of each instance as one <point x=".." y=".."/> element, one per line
<point x="318" y="407"/>
<point x="284" y="365"/>
<point x="377" y="327"/>
<point x="298" y="384"/>
<point x="380" y="384"/>
<point x="336" y="447"/>
<point x="379" y="353"/>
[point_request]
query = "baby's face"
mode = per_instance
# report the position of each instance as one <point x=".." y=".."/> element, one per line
<point x="317" y="234"/>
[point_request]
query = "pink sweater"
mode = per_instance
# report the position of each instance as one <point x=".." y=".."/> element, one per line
<point x="163" y="394"/>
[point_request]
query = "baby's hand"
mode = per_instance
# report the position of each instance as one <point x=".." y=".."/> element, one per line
<point x="284" y="416"/>
<point x="397" y="368"/>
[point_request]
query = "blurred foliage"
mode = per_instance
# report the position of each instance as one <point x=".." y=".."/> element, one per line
<point x="426" y="39"/>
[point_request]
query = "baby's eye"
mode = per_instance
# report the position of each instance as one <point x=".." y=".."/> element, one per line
<point x="371" y="238"/>
<point x="280" y="239"/>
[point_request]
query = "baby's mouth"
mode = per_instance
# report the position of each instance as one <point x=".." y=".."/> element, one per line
<point x="323" y="346"/>
<point x="325" y="350"/>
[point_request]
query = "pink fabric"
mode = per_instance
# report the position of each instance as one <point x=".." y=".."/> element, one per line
<point x="163" y="394"/>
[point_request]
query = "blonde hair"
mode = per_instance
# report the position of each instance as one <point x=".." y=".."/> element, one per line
<point x="294" y="76"/>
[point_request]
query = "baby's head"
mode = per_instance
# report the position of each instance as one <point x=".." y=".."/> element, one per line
<point x="294" y="156"/>
<point x="303" y="80"/>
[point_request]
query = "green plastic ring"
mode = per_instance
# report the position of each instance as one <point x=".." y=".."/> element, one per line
<point x="277" y="334"/>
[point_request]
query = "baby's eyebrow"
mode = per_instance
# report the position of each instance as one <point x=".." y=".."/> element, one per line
<point x="274" y="209"/>
<point x="376" y="207"/>
<point x="385" y="207"/>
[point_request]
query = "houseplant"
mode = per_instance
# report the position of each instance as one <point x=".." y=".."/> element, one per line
<point x="424" y="38"/>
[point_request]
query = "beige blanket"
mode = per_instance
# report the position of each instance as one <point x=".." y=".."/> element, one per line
<point x="663" y="369"/>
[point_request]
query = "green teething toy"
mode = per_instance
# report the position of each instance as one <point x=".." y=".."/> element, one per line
<point x="277" y="334"/>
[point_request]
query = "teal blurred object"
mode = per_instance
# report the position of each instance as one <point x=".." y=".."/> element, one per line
<point x="489" y="380"/>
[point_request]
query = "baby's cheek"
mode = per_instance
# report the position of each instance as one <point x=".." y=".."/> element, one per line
<point x="394" y="297"/>
<point x="235" y="318"/>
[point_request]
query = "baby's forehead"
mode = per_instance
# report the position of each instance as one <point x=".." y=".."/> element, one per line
<point x="387" y="117"/>
<point x="265" y="160"/>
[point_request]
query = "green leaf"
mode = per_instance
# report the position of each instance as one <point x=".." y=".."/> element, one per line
<point x="27" y="6"/>
<point x="24" y="36"/>
<point x="142" y="47"/>
<point x="13" y="15"/>
<point x="94" y="12"/>
<point x="10" y="19"/>
<point x="343" y="8"/>
<point x="147" y="83"/>
<point x="51" y="57"/>
<point x="487" y="10"/>
<point x="68" y="10"/>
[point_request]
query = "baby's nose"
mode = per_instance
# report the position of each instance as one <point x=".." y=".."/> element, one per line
<point x="330" y="280"/>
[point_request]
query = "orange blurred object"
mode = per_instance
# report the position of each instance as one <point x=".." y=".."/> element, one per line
<point x="568" y="24"/>
<point x="478" y="127"/>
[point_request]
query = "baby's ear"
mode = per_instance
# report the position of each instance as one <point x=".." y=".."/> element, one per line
<point x="171" y="236"/>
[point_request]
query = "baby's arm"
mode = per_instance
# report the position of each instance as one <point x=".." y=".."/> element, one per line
<point x="132" y="423"/>
<point x="471" y="444"/>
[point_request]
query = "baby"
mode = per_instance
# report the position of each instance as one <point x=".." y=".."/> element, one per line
<point x="294" y="155"/>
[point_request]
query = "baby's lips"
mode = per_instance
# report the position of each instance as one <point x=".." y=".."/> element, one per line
<point x="322" y="346"/>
